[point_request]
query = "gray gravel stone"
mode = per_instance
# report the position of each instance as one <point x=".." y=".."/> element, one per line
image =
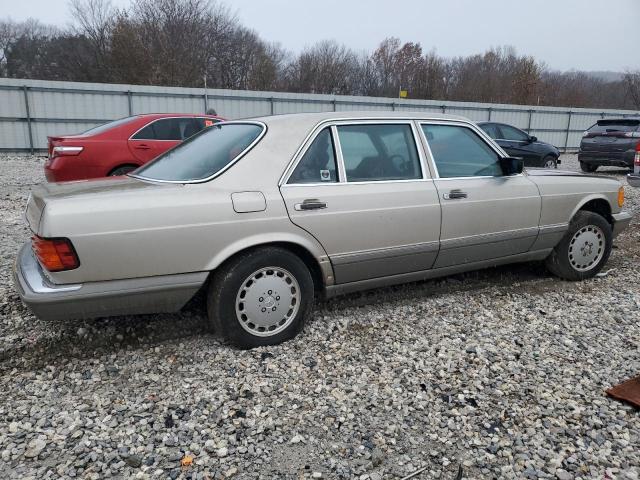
<point x="501" y="371"/>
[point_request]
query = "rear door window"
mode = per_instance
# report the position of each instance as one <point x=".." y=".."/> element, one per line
<point x="379" y="152"/>
<point x="318" y="165"/>
<point x="491" y="129"/>
<point x="176" y="129"/>
<point x="513" y="134"/>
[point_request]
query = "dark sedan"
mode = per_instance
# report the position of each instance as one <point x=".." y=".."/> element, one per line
<point x="518" y="143"/>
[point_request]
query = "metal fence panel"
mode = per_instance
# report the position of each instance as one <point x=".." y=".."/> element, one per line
<point x="30" y="110"/>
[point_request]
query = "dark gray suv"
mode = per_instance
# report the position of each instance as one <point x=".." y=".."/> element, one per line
<point x="614" y="142"/>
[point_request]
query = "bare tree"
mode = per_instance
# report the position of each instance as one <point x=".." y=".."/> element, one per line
<point x="632" y="82"/>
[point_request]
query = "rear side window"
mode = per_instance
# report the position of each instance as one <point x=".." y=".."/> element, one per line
<point x="460" y="152"/>
<point x="379" y="152"/>
<point x="607" y="126"/>
<point x="318" y="163"/>
<point x="491" y="130"/>
<point x="203" y="156"/>
<point x="176" y="129"/>
<point x="511" y="133"/>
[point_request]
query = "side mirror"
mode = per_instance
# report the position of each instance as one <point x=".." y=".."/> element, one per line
<point x="511" y="165"/>
<point x="533" y="139"/>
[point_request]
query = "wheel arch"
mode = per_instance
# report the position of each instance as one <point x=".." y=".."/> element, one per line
<point x="120" y="165"/>
<point x="597" y="204"/>
<point x="312" y="254"/>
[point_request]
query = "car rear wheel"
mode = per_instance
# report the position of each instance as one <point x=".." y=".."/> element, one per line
<point x="584" y="249"/>
<point x="550" y="162"/>
<point x="588" y="167"/>
<point x="261" y="297"/>
<point x="123" y="170"/>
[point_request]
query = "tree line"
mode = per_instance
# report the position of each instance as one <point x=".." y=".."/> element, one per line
<point x="180" y="42"/>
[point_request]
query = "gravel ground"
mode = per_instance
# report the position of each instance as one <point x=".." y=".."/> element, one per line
<point x="495" y="374"/>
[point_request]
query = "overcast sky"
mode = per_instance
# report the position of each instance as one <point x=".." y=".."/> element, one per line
<point x="566" y="34"/>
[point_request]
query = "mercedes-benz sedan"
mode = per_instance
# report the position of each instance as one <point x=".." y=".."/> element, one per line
<point x="265" y="215"/>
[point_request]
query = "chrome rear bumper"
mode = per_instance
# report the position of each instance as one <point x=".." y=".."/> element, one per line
<point x="167" y="293"/>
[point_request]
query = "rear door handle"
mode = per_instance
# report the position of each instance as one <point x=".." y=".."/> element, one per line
<point x="310" y="204"/>
<point x="142" y="146"/>
<point x="454" y="194"/>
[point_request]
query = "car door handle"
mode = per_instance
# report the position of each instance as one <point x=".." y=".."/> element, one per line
<point x="454" y="194"/>
<point x="142" y="147"/>
<point x="310" y="204"/>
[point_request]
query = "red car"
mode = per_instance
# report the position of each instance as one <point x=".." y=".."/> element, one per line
<point x="121" y="146"/>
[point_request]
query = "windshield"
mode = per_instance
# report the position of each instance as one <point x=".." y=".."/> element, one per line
<point x="106" y="126"/>
<point x="204" y="154"/>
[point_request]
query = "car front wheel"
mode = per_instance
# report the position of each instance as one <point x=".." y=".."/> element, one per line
<point x="550" y="162"/>
<point x="584" y="249"/>
<point x="261" y="297"/>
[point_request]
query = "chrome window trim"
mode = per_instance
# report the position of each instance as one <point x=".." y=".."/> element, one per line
<point x="222" y="170"/>
<point x="157" y="120"/>
<point x="334" y="123"/>
<point x="481" y="133"/>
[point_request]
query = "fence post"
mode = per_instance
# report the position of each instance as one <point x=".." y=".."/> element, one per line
<point x="444" y="108"/>
<point x="489" y="110"/>
<point x="566" y="138"/>
<point x="529" y="126"/>
<point x="334" y="104"/>
<point x="129" y="95"/>
<point x="271" y="106"/>
<point x="602" y="115"/>
<point x="393" y="106"/>
<point x="28" y="111"/>
<point x="206" y="102"/>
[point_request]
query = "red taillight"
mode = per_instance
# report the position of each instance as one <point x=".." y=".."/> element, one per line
<point x="55" y="254"/>
<point x="636" y="159"/>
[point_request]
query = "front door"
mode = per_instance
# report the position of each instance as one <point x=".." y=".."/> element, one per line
<point x="485" y="215"/>
<point x="518" y="144"/>
<point x="362" y="191"/>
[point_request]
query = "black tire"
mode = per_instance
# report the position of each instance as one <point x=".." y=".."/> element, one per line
<point x="588" y="167"/>
<point x="566" y="257"/>
<point x="123" y="170"/>
<point x="235" y="278"/>
<point x="549" y="161"/>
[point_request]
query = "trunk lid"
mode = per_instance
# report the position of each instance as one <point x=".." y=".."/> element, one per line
<point x="47" y="193"/>
<point x="612" y="136"/>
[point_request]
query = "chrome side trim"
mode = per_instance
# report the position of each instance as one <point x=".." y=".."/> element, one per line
<point x="219" y="172"/>
<point x="340" y="289"/>
<point x="488" y="238"/>
<point x="381" y="253"/>
<point x="555" y="228"/>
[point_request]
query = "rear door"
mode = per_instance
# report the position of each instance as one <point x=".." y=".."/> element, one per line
<point x="362" y="190"/>
<point x="485" y="214"/>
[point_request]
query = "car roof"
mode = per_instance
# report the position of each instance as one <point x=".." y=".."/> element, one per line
<point x="311" y="119"/>
<point x="171" y="115"/>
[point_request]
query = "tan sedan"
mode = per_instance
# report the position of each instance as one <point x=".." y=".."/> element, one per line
<point x="267" y="214"/>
